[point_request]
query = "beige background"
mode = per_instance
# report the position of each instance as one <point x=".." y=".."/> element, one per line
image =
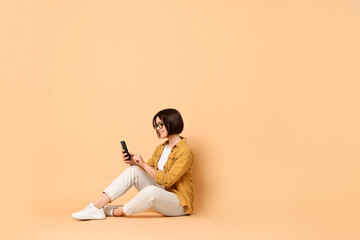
<point x="269" y="91"/>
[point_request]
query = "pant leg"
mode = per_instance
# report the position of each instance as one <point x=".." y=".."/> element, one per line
<point x="165" y="202"/>
<point x="133" y="175"/>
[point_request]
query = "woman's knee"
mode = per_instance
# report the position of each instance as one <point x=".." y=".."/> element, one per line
<point x="150" y="191"/>
<point x="134" y="169"/>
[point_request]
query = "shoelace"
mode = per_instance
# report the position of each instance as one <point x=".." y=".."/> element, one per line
<point x="87" y="208"/>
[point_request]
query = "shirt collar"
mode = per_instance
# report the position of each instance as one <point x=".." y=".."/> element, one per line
<point x="179" y="144"/>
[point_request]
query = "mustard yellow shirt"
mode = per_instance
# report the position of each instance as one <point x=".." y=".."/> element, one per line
<point x="176" y="176"/>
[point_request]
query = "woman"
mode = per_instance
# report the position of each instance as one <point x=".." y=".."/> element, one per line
<point x="164" y="182"/>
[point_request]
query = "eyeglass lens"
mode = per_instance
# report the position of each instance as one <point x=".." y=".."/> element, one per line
<point x="160" y="125"/>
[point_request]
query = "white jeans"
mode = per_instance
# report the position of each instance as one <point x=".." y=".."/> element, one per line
<point x="150" y="193"/>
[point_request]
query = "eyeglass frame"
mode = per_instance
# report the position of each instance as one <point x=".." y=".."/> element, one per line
<point x="160" y="125"/>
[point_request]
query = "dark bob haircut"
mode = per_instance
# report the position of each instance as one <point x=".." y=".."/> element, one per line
<point x="172" y="120"/>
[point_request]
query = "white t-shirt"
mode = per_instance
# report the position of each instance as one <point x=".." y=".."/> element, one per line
<point x="163" y="158"/>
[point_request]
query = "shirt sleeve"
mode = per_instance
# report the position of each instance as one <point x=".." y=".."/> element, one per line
<point x="181" y="165"/>
<point x="151" y="161"/>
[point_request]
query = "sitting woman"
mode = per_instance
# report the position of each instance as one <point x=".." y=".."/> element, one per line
<point x="164" y="182"/>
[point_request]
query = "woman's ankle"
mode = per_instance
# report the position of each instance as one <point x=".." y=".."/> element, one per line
<point x="118" y="212"/>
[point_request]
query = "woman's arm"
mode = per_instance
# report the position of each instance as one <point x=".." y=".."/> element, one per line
<point x="181" y="165"/>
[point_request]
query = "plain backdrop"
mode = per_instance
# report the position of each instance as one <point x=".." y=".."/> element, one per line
<point x="269" y="92"/>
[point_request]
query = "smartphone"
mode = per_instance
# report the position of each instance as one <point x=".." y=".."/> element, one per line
<point x="123" y="145"/>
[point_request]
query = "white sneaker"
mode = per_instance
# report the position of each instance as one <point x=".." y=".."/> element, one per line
<point x="109" y="209"/>
<point x="90" y="212"/>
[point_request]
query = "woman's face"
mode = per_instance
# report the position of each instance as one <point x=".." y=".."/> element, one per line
<point x="160" y="128"/>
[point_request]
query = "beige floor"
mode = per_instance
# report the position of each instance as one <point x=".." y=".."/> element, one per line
<point x="58" y="224"/>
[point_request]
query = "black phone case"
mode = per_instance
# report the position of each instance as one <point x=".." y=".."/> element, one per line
<point x="123" y="145"/>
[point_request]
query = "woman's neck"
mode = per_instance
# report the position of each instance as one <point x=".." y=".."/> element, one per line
<point x="173" y="139"/>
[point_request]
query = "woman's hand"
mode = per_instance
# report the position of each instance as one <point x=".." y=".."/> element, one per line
<point x="135" y="159"/>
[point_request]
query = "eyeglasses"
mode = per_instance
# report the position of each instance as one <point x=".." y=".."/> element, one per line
<point x="160" y="125"/>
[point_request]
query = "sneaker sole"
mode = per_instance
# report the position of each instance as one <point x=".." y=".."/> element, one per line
<point x="97" y="217"/>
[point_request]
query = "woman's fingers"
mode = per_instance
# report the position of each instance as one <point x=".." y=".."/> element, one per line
<point x="125" y="156"/>
<point x="129" y="158"/>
